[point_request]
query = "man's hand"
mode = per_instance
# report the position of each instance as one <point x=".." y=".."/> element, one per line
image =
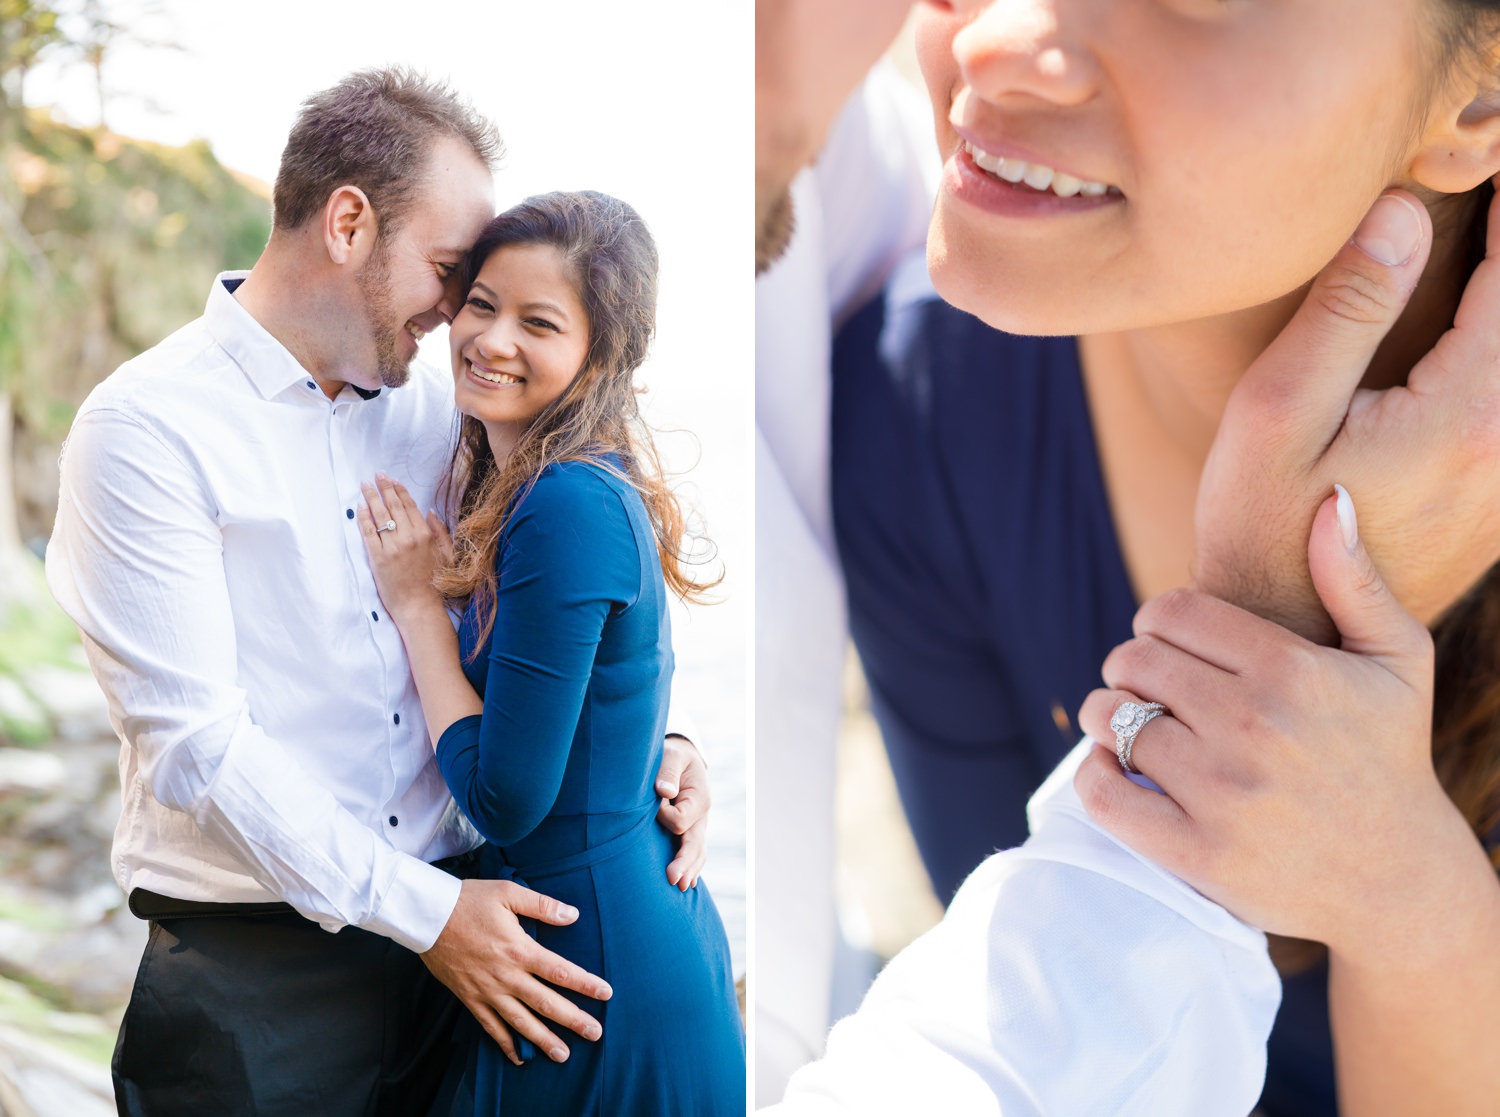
<point x="1420" y="459"/>
<point x="492" y="965"/>
<point x="682" y="782"/>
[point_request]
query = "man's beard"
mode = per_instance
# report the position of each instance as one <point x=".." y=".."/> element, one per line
<point x="375" y="285"/>
<point x="773" y="230"/>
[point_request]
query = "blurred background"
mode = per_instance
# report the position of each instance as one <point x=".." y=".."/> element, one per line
<point x="138" y="139"/>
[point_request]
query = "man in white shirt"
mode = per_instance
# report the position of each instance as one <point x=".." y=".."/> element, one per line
<point x="276" y="772"/>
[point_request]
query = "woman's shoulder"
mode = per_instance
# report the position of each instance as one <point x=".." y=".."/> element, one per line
<point x="587" y="495"/>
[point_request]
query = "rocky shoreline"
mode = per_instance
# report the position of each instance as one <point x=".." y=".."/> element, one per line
<point x="68" y="946"/>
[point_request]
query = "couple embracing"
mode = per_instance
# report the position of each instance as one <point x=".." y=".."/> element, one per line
<point x="247" y="539"/>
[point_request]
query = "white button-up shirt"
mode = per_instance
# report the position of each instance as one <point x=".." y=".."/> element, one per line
<point x="273" y="746"/>
<point x="1070" y="975"/>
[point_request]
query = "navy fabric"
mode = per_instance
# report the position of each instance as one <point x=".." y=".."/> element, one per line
<point x="558" y="773"/>
<point x="986" y="586"/>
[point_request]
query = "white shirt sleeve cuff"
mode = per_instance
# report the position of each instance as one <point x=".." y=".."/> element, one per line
<point x="416" y="906"/>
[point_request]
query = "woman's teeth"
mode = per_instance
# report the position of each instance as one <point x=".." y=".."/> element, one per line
<point x="493" y="377"/>
<point x="1036" y="176"/>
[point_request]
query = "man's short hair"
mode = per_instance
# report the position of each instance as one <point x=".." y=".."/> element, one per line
<point x="374" y="130"/>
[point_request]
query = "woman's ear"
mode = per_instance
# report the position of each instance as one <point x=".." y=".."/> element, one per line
<point x="1462" y="150"/>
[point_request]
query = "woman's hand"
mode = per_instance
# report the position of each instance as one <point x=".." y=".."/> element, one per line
<point x="1300" y="792"/>
<point x="405" y="556"/>
<point x="1421" y="457"/>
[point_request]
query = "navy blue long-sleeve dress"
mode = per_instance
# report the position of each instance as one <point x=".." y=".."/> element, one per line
<point x="986" y="587"/>
<point x="558" y="775"/>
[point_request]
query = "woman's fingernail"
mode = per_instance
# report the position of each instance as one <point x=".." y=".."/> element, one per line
<point x="1348" y="525"/>
<point x="566" y="912"/>
<point x="559" y="1054"/>
<point x="1390" y="232"/>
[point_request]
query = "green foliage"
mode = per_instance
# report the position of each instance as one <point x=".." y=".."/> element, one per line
<point x="130" y="234"/>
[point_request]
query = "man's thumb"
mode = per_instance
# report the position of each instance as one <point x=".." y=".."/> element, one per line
<point x="1371" y="622"/>
<point x="1307" y="376"/>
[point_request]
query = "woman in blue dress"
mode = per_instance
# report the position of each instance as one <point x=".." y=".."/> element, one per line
<point x="548" y="707"/>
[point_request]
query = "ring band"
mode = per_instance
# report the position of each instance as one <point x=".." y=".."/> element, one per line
<point x="1128" y="721"/>
<point x="389" y="525"/>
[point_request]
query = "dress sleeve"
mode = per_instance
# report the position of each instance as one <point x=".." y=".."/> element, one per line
<point x="567" y="562"/>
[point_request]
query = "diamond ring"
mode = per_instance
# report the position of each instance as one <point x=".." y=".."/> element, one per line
<point x="389" y="525"/>
<point x="1127" y="723"/>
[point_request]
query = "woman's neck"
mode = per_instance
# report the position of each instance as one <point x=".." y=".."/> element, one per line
<point x="502" y="438"/>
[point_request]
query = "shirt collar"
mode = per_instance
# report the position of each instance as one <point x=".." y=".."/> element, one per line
<point x="263" y="359"/>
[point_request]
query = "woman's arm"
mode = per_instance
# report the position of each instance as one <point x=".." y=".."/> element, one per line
<point x="1300" y="794"/>
<point x="569" y="559"/>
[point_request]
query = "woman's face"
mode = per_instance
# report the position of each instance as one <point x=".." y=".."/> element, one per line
<point x="520" y="337"/>
<point x="1237" y="143"/>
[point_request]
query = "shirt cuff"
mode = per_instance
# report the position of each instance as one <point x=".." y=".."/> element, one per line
<point x="416" y="906"/>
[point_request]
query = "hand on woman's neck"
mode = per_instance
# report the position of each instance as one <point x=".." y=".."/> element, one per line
<point x="1179" y="377"/>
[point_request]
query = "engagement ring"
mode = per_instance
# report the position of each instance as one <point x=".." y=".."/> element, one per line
<point x="1127" y="723"/>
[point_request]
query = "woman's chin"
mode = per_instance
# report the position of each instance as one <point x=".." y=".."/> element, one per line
<point x="1007" y="302"/>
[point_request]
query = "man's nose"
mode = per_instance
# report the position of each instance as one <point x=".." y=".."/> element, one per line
<point x="1037" y="48"/>
<point x="453" y="298"/>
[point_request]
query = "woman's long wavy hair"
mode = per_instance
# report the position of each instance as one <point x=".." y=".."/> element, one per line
<point x="611" y="258"/>
<point x="1466" y="693"/>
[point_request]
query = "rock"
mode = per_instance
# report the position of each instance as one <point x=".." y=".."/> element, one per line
<point x="31" y="771"/>
<point x="73" y="699"/>
<point x="22" y="718"/>
<point x="37" y="1080"/>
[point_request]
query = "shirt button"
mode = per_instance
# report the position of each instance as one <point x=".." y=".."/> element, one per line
<point x="374" y="616"/>
<point x="396" y="718"/>
<point x="311" y="385"/>
<point x="393" y="820"/>
<point x="349" y="513"/>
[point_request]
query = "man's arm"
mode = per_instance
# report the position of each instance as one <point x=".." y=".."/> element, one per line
<point x="136" y="561"/>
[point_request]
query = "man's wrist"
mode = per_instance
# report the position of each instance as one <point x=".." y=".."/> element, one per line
<point x="416" y="905"/>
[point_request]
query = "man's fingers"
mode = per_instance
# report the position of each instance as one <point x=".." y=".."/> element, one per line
<point x="552" y="1005"/>
<point x="523" y="901"/>
<point x="674" y="758"/>
<point x="495" y="1028"/>
<point x="568" y="975"/>
<point x="1371" y="622"/>
<point x="692" y="854"/>
<point x="523" y="1022"/>
<point x="1302" y="384"/>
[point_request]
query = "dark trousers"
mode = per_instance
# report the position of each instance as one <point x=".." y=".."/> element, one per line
<point x="268" y="1015"/>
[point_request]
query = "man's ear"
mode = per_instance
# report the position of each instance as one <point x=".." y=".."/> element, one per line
<point x="349" y="226"/>
<point x="1463" y="150"/>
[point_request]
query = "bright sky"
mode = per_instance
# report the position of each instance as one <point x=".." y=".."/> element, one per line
<point x="649" y="101"/>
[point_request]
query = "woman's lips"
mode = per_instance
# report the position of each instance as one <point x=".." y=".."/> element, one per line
<point x="1018" y="189"/>
<point x="491" y="377"/>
